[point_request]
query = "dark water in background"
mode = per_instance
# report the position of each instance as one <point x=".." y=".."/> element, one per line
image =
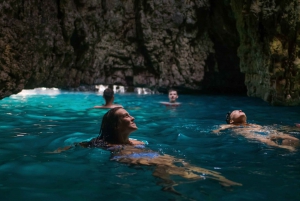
<point x="34" y="124"/>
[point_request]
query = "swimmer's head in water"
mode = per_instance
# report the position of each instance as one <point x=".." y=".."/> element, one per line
<point x="108" y="94"/>
<point x="228" y="117"/>
<point x="173" y="96"/>
<point x="126" y="124"/>
<point x="116" y="126"/>
<point x="108" y="126"/>
<point x="236" y="117"/>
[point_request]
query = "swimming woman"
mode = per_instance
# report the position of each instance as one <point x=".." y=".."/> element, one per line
<point x="116" y="127"/>
<point x="237" y="121"/>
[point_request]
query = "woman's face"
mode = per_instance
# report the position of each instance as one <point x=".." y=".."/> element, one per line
<point x="238" y="116"/>
<point x="126" y="122"/>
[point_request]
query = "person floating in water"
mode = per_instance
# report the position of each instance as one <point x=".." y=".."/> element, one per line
<point x="173" y="96"/>
<point x="237" y="121"/>
<point x="116" y="127"/>
<point x="108" y="95"/>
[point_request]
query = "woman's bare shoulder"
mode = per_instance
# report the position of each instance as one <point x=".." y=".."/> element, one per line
<point x="136" y="142"/>
<point x="107" y="106"/>
<point x="223" y="127"/>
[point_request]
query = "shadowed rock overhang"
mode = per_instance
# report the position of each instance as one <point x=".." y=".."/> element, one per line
<point x="199" y="46"/>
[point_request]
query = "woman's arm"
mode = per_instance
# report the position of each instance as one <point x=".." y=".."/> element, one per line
<point x="61" y="149"/>
<point x="222" y="127"/>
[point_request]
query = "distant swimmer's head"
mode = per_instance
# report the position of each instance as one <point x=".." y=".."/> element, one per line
<point x="116" y="126"/>
<point x="108" y="94"/>
<point x="173" y="96"/>
<point x="236" y="117"/>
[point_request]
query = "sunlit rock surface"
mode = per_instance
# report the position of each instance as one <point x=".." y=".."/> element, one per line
<point x="269" y="49"/>
<point x="193" y="45"/>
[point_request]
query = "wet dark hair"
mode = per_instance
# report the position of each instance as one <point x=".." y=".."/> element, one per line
<point x="108" y="94"/>
<point x="107" y="133"/>
<point x="172" y="90"/>
<point x="228" y="117"/>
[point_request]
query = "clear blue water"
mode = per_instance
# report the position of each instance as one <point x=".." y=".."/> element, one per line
<point x="34" y="124"/>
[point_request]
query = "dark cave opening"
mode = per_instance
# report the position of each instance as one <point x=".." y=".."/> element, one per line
<point x="223" y="74"/>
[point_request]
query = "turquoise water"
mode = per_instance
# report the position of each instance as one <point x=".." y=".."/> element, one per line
<point x="32" y="125"/>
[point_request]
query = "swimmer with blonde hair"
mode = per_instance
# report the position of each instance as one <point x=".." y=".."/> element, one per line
<point x="237" y="121"/>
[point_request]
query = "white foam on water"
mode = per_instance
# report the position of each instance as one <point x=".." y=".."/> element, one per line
<point x="39" y="91"/>
<point x="56" y="91"/>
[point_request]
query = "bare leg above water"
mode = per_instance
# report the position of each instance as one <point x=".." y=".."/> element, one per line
<point x="165" y="166"/>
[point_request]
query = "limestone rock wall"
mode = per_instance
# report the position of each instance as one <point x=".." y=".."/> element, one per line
<point x="269" y="49"/>
<point x="66" y="43"/>
<point x="193" y="45"/>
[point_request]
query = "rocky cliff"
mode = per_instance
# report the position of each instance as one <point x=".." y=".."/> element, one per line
<point x="269" y="49"/>
<point x="193" y="45"/>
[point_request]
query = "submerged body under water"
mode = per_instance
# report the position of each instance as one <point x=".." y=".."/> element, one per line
<point x="33" y="124"/>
